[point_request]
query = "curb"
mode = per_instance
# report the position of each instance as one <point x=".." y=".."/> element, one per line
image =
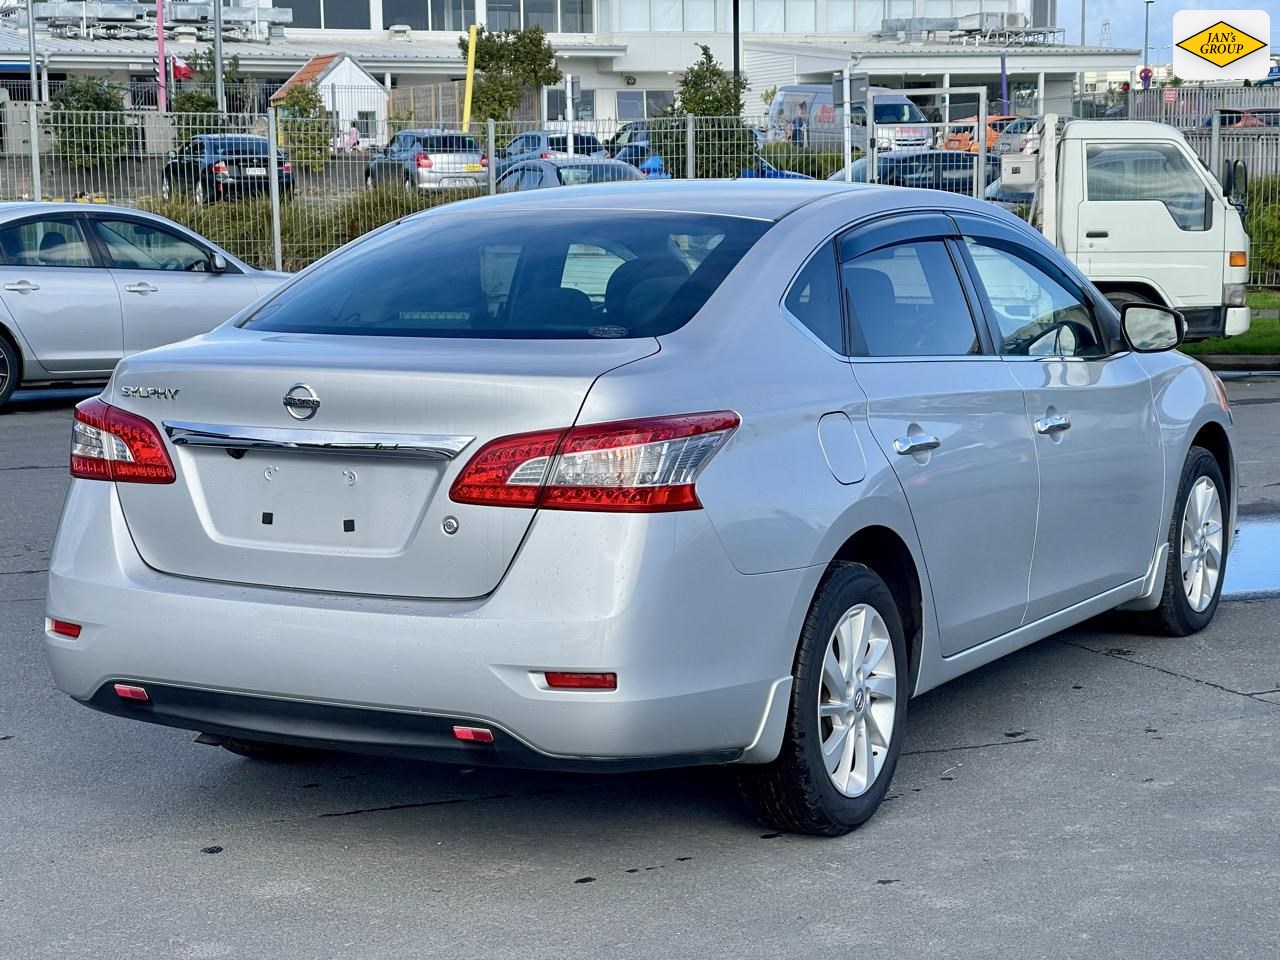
<point x="1240" y="361"/>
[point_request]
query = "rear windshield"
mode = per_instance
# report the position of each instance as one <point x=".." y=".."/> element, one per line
<point x="582" y="143"/>
<point x="571" y="175"/>
<point x="241" y="146"/>
<point x="898" y="113"/>
<point x="559" y="275"/>
<point x="448" y="143"/>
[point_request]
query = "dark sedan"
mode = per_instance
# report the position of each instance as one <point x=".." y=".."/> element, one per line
<point x="215" y="166"/>
<point x="950" y="170"/>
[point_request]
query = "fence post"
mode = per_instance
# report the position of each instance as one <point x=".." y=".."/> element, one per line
<point x="273" y="172"/>
<point x="33" y="137"/>
<point x="689" y="170"/>
<point x="492" y="132"/>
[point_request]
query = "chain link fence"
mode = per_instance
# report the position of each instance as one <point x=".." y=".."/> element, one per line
<point x="283" y="192"/>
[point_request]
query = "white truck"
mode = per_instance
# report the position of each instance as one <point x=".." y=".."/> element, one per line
<point x="1133" y="206"/>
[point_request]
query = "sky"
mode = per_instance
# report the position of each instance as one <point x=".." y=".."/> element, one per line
<point x="1126" y="21"/>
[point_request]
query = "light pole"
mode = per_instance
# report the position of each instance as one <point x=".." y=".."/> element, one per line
<point x="1146" y="33"/>
<point x="219" y="87"/>
<point x="736" y="68"/>
<point x="31" y="52"/>
<point x="1082" y="3"/>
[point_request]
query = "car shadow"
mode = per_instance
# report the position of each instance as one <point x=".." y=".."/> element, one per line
<point x="54" y="398"/>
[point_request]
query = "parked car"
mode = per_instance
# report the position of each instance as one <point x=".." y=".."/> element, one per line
<point x="631" y="132"/>
<point x="947" y="170"/>
<point x="1017" y="136"/>
<point x="224" y="166"/>
<point x="545" y="144"/>
<point x="1242" y="119"/>
<point x="83" y="285"/>
<point x="564" y="172"/>
<point x="677" y="477"/>
<point x="653" y="167"/>
<point x="429" y="160"/>
<point x="962" y="138"/>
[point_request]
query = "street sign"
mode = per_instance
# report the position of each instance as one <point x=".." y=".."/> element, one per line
<point x="1171" y="95"/>
<point x="858" y="83"/>
<point x="1145" y="76"/>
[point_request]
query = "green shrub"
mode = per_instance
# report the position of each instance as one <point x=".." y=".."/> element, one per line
<point x="818" y="164"/>
<point x="1263" y="227"/>
<point x="88" y="114"/>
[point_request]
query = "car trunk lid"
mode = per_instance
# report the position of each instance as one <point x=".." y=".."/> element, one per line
<point x="355" y="497"/>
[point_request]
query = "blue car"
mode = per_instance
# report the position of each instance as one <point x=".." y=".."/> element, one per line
<point x="652" y="167"/>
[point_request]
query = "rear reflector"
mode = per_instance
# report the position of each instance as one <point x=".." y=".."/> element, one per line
<point x="474" y="734"/>
<point x="127" y="691"/>
<point x="582" y="681"/>
<point x="638" y="466"/>
<point x="108" y="443"/>
<point x="63" y="628"/>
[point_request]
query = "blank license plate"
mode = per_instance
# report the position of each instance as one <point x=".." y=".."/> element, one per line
<point x="473" y="168"/>
<point x="456" y="182"/>
<point x="254" y="172"/>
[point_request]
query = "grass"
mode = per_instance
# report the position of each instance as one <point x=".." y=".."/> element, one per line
<point x="1263" y="335"/>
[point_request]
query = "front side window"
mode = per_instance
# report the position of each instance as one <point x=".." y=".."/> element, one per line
<point x="907" y="301"/>
<point x="45" y="243"/>
<point x="1149" y="171"/>
<point x="662" y="268"/>
<point x="1038" y="315"/>
<point x="132" y="245"/>
<point x="814" y="298"/>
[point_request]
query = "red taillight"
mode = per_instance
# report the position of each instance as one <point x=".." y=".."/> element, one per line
<point x="424" y="162"/>
<point x="287" y="168"/>
<point x="64" y="628"/>
<point x="581" y="681"/>
<point x="484" y="161"/>
<point x="220" y="167"/>
<point x="639" y="466"/>
<point x="108" y="443"/>
<point x="546" y="156"/>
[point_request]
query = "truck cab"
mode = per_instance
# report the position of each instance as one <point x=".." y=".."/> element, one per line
<point x="1140" y="214"/>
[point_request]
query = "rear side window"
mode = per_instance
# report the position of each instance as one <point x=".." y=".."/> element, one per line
<point x="814" y="298"/>
<point x="241" y="146"/>
<point x="45" y="243"/>
<point x="560" y="275"/>
<point x="1149" y="172"/>
<point x="906" y="301"/>
<point x="582" y="143"/>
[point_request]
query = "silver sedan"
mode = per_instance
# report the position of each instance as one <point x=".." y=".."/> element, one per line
<point x="82" y="286"/>
<point x="632" y="477"/>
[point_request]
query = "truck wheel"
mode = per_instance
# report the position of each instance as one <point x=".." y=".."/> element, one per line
<point x="848" y="711"/>
<point x="1118" y="298"/>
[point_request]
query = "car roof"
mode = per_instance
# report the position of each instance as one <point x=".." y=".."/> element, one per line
<point x="577" y="161"/>
<point x="760" y="199"/>
<point x="10" y="209"/>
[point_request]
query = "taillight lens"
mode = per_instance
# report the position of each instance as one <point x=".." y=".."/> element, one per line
<point x="546" y="156"/>
<point x="424" y="162"/>
<point x="484" y="161"/>
<point x="287" y="168"/>
<point x="108" y="443"/>
<point x="220" y="167"/>
<point x="641" y="466"/>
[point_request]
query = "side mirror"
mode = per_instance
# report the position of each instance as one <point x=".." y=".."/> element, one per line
<point x="1236" y="186"/>
<point x="1150" y="328"/>
<point x="173" y="154"/>
<point x="219" y="263"/>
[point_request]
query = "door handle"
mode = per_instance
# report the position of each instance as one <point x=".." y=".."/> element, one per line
<point x="1097" y="234"/>
<point x="1050" y="425"/>
<point x="916" y="443"/>
<point x="22" y="286"/>
<point x="143" y="288"/>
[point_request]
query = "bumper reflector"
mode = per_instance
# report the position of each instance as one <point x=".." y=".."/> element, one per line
<point x="64" y="628"/>
<point x="582" y="681"/>
<point x="474" y="734"/>
<point x="126" y="691"/>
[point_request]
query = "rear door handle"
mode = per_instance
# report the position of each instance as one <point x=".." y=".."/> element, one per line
<point x="143" y="288"/>
<point x="22" y="286"/>
<point x="1049" y="425"/>
<point x="1097" y="234"/>
<point x="916" y="443"/>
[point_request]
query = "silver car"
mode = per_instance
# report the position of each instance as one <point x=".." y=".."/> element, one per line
<point x="681" y="473"/>
<point x="429" y="160"/>
<point x="82" y="286"/>
<point x="565" y="172"/>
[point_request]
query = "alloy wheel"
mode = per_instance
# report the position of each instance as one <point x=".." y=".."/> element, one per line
<point x="857" y="700"/>
<point x="1202" y="537"/>
<point x="4" y="372"/>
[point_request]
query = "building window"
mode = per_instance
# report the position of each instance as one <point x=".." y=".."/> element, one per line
<point x="840" y="16"/>
<point x="306" y="13"/>
<point x="584" y="106"/>
<point x="366" y="121"/>
<point x="412" y="13"/>
<point x="674" y="16"/>
<point x="575" y="16"/>
<point x="870" y="16"/>
<point x="454" y="15"/>
<point x="346" y="15"/>
<point x="640" y="104"/>
<point x="541" y="13"/>
<point x="503" y="14"/>
<point x="658" y="101"/>
<point x="633" y="15"/>
<point x="700" y="15"/>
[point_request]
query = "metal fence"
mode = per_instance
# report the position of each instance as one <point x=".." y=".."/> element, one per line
<point x="320" y="187"/>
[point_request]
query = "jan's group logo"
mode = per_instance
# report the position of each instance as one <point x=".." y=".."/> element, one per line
<point x="1221" y="44"/>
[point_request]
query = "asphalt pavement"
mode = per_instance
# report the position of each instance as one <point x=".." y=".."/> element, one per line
<point x="1098" y="794"/>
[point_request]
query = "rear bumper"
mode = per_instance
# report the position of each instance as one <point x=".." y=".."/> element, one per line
<point x="703" y="654"/>
<point x="442" y="180"/>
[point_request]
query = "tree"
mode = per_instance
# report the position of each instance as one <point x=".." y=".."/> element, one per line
<point x="507" y="61"/>
<point x="88" y="114"/>
<point x="194" y="111"/>
<point x="722" y="144"/>
<point x="767" y="95"/>
<point x="306" y="130"/>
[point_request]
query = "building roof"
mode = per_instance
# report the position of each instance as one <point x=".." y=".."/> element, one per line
<point x="316" y="69"/>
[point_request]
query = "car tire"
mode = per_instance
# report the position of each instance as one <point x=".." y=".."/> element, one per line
<point x="1197" y="562"/>
<point x="200" y="196"/>
<point x="166" y="188"/>
<point x="1118" y="298"/>
<point x="368" y="180"/>
<point x="408" y="186"/>
<point x="854" y="621"/>
<point x="10" y="370"/>
<point x="270" y="752"/>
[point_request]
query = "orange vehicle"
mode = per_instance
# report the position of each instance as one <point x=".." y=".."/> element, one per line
<point x="962" y="138"/>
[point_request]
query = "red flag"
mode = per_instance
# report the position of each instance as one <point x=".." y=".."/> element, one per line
<point x="180" y="69"/>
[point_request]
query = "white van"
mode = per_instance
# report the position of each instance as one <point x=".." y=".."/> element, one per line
<point x="803" y="113"/>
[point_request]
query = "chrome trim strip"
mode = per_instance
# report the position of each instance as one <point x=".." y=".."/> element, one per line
<point x="424" y="446"/>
